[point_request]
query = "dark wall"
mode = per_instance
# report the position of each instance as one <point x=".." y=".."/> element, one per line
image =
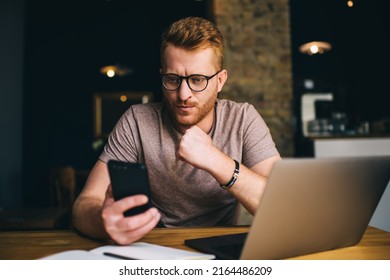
<point x="11" y="91"/>
<point x="66" y="44"/>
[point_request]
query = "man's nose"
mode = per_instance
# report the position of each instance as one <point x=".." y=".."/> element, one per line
<point x="184" y="91"/>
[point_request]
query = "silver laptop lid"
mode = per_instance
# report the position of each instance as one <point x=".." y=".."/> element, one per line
<point x="312" y="205"/>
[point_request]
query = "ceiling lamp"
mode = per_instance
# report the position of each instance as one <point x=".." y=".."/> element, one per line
<point x="315" y="47"/>
<point x="115" y="70"/>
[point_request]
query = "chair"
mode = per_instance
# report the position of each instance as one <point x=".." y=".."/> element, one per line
<point x="62" y="183"/>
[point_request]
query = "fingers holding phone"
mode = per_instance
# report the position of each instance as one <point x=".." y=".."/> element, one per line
<point x="128" y="213"/>
<point x="125" y="230"/>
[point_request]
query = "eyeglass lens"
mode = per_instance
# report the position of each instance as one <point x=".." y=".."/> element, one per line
<point x="194" y="82"/>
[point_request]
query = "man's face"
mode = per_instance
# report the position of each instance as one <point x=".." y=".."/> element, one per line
<point x="186" y="107"/>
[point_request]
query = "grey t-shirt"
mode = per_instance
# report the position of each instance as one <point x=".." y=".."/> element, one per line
<point x="187" y="196"/>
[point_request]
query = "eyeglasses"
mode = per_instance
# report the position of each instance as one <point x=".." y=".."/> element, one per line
<point x="195" y="82"/>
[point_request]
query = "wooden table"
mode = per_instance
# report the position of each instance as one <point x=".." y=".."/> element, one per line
<point x="37" y="244"/>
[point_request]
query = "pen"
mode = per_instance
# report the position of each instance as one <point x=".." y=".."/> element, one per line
<point x="117" y="256"/>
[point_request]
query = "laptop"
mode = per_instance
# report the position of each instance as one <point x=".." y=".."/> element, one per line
<point x="309" y="205"/>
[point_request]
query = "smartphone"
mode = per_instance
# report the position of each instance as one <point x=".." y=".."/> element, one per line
<point x="129" y="179"/>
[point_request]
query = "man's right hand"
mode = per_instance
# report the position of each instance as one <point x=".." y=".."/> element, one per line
<point x="125" y="230"/>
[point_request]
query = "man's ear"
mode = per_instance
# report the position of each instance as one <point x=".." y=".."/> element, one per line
<point x="222" y="77"/>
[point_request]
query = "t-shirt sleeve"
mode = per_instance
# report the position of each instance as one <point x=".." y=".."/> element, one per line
<point x="122" y="142"/>
<point x="258" y="143"/>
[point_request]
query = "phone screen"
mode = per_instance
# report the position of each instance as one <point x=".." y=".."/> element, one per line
<point x="129" y="179"/>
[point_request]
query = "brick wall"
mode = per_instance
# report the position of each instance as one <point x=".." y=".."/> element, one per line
<point x="258" y="60"/>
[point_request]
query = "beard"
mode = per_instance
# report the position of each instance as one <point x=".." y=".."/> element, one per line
<point x="186" y="119"/>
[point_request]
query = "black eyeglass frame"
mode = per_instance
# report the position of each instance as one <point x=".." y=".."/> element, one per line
<point x="186" y="78"/>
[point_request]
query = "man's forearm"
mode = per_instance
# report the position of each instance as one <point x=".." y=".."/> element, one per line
<point x="251" y="182"/>
<point x="87" y="217"/>
<point x="249" y="189"/>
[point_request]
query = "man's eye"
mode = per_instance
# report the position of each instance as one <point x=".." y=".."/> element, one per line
<point x="197" y="79"/>
<point x="172" y="79"/>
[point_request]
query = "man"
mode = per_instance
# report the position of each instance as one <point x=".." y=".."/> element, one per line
<point x="203" y="154"/>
